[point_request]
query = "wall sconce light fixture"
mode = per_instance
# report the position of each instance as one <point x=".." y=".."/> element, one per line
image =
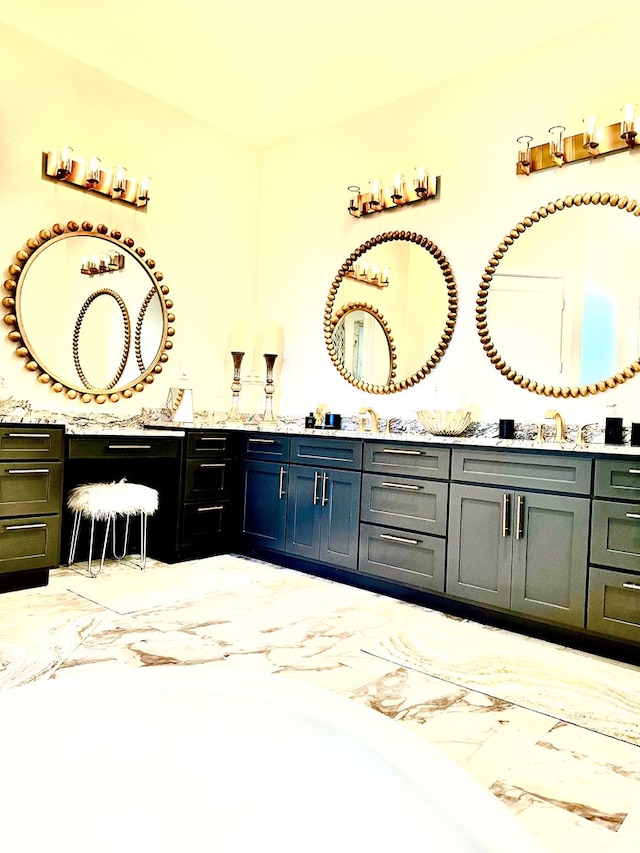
<point x="594" y="141"/>
<point x="403" y="191"/>
<point x="89" y="175"/>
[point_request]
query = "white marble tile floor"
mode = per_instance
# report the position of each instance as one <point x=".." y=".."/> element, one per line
<point x="570" y="771"/>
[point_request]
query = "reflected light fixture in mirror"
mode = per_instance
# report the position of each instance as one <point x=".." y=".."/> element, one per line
<point x="557" y="276"/>
<point x="92" y="343"/>
<point x="420" y="305"/>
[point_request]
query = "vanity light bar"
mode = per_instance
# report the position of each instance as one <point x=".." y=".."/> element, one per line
<point x="403" y="191"/>
<point x="62" y="167"/>
<point x="594" y="141"/>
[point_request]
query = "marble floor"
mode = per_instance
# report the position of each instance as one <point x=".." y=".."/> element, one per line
<point x="570" y="773"/>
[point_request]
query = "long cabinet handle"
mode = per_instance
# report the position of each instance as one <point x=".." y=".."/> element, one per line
<point x="29" y="471"/>
<point x="24" y="526"/>
<point x="506" y="515"/>
<point x="323" y="497"/>
<point x="399" y="539"/>
<point x="29" y="435"/>
<point x="634" y="470"/>
<point x="316" y="477"/>
<point x="519" y="516"/>
<point x="403" y="452"/>
<point x="632" y="514"/>
<point x="281" y="484"/>
<point x="404" y="486"/>
<point x="128" y="447"/>
<point x="262" y="441"/>
<point x="212" y="465"/>
<point x="631" y="586"/>
<point x="210" y="508"/>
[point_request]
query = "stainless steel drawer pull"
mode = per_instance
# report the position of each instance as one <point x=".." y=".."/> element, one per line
<point x="404" y="452"/>
<point x="632" y="514"/>
<point x="404" y="486"/>
<point x="211" y="438"/>
<point x="631" y="586"/>
<point x="28" y="471"/>
<point x="399" y="539"/>
<point x="316" y="477"/>
<point x="129" y="447"/>
<point x="634" y="470"/>
<point x="262" y="441"/>
<point x="24" y="526"/>
<point x="212" y="465"/>
<point x="210" y="508"/>
<point x="519" y="516"/>
<point x="323" y="497"/>
<point x="29" y="435"/>
<point x="281" y="484"/>
<point x="506" y="516"/>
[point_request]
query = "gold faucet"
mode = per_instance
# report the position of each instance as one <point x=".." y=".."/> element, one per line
<point x="561" y="427"/>
<point x="375" y="421"/>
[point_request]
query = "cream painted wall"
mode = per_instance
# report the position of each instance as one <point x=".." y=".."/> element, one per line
<point x="201" y="225"/>
<point x="465" y="131"/>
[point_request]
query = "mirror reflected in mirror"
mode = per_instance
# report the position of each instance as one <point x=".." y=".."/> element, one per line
<point x="90" y="315"/>
<point x="561" y="300"/>
<point x="401" y="283"/>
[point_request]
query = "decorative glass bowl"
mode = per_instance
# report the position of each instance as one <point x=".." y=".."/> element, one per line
<point x="441" y="422"/>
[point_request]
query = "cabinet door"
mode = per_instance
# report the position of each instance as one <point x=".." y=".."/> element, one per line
<point x="339" y="512"/>
<point x="303" y="517"/>
<point x="263" y="509"/>
<point x="550" y="544"/>
<point x="479" y="551"/>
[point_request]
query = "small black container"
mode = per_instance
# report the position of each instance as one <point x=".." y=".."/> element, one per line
<point x="613" y="431"/>
<point x="310" y="421"/>
<point x="506" y="428"/>
<point x="635" y="435"/>
<point x="332" y="421"/>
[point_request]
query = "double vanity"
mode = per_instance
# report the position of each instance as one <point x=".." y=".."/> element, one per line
<point x="542" y="538"/>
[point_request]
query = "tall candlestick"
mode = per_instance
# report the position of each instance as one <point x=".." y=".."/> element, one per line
<point x="268" y="416"/>
<point x="236" y="387"/>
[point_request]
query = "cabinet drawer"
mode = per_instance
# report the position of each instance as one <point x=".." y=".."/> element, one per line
<point x="618" y="478"/>
<point x="265" y="447"/>
<point x="413" y="459"/>
<point x="205" y="523"/>
<point x="212" y="445"/>
<point x="328" y="452"/>
<point x="31" y="542"/>
<point x="405" y="503"/>
<point x="614" y="604"/>
<point x="523" y="470"/>
<point x="615" y="535"/>
<point x="415" y="561"/>
<point x="34" y="442"/>
<point x="205" y="480"/>
<point x="30" y="488"/>
<point x="123" y="447"/>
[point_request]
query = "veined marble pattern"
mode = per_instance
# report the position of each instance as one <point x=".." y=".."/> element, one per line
<point x="571" y="785"/>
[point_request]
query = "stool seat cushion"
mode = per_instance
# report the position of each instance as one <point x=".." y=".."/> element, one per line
<point x="102" y="500"/>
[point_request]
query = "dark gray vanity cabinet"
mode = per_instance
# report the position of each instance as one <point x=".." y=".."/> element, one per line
<point x="403" y="514"/>
<point x="206" y="505"/>
<point x="323" y="503"/>
<point x="614" y="573"/>
<point x="31" y="463"/>
<point x="519" y="550"/>
<point x="264" y="480"/>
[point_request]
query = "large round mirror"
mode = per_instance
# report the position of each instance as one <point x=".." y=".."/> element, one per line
<point x="88" y="312"/>
<point x="403" y="283"/>
<point x="561" y="300"/>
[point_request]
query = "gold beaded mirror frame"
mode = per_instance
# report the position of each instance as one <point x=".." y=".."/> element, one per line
<point x="76" y="336"/>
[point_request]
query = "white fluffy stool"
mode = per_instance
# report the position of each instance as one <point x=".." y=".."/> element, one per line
<point x="106" y="502"/>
